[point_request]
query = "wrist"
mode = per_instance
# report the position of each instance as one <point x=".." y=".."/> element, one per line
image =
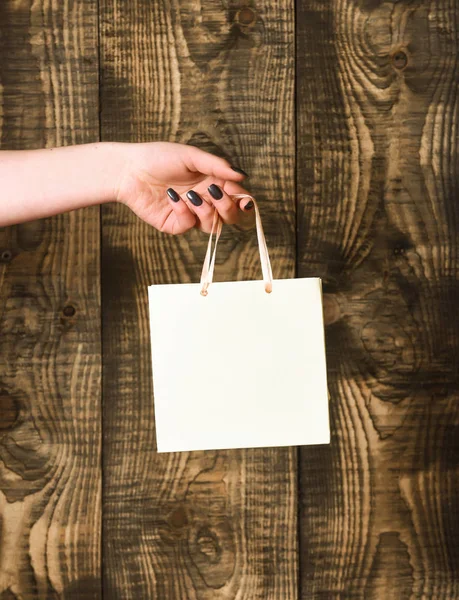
<point x="110" y="166"/>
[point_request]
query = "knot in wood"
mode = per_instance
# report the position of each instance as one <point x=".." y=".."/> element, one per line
<point x="69" y="311"/>
<point x="207" y="544"/>
<point x="399" y="60"/>
<point x="178" y="518"/>
<point x="246" y="16"/>
<point x="6" y="256"/>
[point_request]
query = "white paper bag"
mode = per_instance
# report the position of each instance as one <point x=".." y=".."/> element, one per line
<point x="235" y="366"/>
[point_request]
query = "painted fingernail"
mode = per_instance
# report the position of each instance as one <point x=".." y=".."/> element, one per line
<point x="194" y="198"/>
<point x="249" y="205"/>
<point x="215" y="192"/>
<point x="173" y="195"/>
<point x="240" y="171"/>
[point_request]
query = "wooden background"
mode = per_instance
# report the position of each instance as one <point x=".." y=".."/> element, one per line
<point x="345" y="114"/>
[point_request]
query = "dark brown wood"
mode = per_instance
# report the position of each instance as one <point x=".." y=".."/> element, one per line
<point x="377" y="115"/>
<point x="50" y="410"/>
<point x="378" y="220"/>
<point x="202" y="525"/>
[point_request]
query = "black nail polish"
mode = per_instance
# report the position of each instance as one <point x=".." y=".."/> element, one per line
<point x="194" y="198"/>
<point x="173" y="195"/>
<point x="240" y="171"/>
<point x="249" y="205"/>
<point x="215" y="192"/>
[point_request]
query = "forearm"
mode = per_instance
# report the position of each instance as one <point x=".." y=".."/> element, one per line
<point x="41" y="183"/>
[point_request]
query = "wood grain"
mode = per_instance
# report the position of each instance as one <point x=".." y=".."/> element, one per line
<point x="214" y="525"/>
<point x="378" y="220"/>
<point x="50" y="368"/>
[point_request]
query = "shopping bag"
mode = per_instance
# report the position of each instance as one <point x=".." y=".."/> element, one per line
<point x="238" y="364"/>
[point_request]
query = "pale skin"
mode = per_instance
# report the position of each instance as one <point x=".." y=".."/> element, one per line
<point x="154" y="180"/>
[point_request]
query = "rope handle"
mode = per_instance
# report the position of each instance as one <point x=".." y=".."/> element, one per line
<point x="207" y="274"/>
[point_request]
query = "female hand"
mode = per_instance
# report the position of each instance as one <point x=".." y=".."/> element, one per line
<point x="175" y="187"/>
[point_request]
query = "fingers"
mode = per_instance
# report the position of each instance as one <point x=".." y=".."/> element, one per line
<point x="239" y="212"/>
<point x="246" y="218"/>
<point x="246" y="205"/>
<point x="208" y="164"/>
<point x="191" y="207"/>
<point x="246" y="212"/>
<point x="195" y="208"/>
<point x="184" y="218"/>
<point x="202" y="209"/>
<point x="225" y="206"/>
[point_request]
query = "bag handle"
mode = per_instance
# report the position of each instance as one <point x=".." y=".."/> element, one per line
<point x="209" y="261"/>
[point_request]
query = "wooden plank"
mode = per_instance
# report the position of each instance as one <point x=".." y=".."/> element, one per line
<point x="50" y="409"/>
<point x="378" y="220"/>
<point x="194" y="525"/>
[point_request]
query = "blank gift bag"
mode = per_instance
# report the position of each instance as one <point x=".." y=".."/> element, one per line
<point x="238" y="364"/>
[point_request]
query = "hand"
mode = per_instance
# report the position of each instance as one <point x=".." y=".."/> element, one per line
<point x="175" y="187"/>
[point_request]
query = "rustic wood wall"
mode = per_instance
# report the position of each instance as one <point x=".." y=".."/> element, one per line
<point x="214" y="524"/>
<point x="345" y="114"/>
<point x="50" y="351"/>
<point x="379" y="221"/>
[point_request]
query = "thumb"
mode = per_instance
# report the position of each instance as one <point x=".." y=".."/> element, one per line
<point x="200" y="161"/>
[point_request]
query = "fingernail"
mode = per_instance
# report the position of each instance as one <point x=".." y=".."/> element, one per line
<point x="240" y="171"/>
<point x="215" y="192"/>
<point x="173" y="195"/>
<point x="249" y="205"/>
<point x="194" y="198"/>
